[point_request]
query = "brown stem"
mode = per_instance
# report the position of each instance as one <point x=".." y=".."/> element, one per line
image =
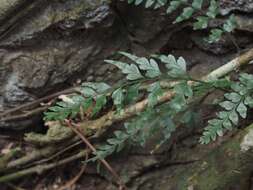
<point x="30" y="105"/>
<point x="93" y="149"/>
<point x="76" y="178"/>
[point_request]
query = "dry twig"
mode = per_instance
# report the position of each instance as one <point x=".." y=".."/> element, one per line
<point x="93" y="149"/>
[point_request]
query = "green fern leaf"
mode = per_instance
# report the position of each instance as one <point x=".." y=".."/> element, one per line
<point x="215" y="35"/>
<point x="186" y="14"/>
<point x="202" y="23"/>
<point x="91" y="89"/>
<point x="213" y="9"/>
<point x="230" y="24"/>
<point x="155" y="91"/>
<point x="149" y="3"/>
<point x="100" y="102"/>
<point x="132" y="92"/>
<point x="118" y="98"/>
<point x="197" y="4"/>
<point x="131" y="70"/>
<point x="235" y="107"/>
<point x="63" y="110"/>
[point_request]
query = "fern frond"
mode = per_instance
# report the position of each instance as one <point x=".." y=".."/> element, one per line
<point x="156" y="118"/>
<point x="63" y="110"/>
<point x="149" y="3"/>
<point x="201" y="18"/>
<point x="72" y="105"/>
<point x="235" y="106"/>
<point x="136" y="132"/>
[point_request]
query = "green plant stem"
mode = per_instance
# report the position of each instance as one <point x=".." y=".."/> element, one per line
<point x="93" y="149"/>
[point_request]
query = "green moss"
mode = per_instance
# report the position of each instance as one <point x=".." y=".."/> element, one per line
<point x="223" y="167"/>
<point x="74" y="10"/>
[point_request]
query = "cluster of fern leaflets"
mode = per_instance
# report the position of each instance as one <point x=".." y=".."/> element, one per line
<point x="139" y="72"/>
<point x="235" y="106"/>
<point x="145" y="80"/>
<point x="72" y="105"/>
<point x="195" y="10"/>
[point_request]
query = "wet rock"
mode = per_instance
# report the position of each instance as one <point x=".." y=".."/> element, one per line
<point x="143" y="24"/>
<point x="54" y="45"/>
<point x="90" y="78"/>
<point x="236" y="5"/>
<point x="235" y="41"/>
<point x="239" y="38"/>
<point x="64" y="15"/>
<point x="13" y="93"/>
<point x="104" y="69"/>
<point x="7" y="7"/>
<point x="224" y="45"/>
<point x="244" y="23"/>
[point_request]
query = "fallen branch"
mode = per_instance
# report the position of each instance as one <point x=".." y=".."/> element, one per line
<point x="32" y="156"/>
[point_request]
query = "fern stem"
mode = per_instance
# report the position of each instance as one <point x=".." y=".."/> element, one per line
<point x="93" y="149"/>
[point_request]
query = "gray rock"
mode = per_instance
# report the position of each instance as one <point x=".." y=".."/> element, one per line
<point x="54" y="43"/>
<point x="244" y="23"/>
<point x="236" y="5"/>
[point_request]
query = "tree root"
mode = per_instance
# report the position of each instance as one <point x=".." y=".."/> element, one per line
<point x="41" y="168"/>
<point x="4" y="160"/>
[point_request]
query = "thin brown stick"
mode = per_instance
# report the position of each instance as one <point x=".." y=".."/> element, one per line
<point x="30" y="105"/>
<point x="71" y="182"/>
<point x="25" y="115"/>
<point x="58" y="153"/>
<point x="93" y="149"/>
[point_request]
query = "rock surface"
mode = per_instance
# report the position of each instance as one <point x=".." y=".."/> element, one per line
<point x="236" y="5"/>
<point x="53" y="43"/>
